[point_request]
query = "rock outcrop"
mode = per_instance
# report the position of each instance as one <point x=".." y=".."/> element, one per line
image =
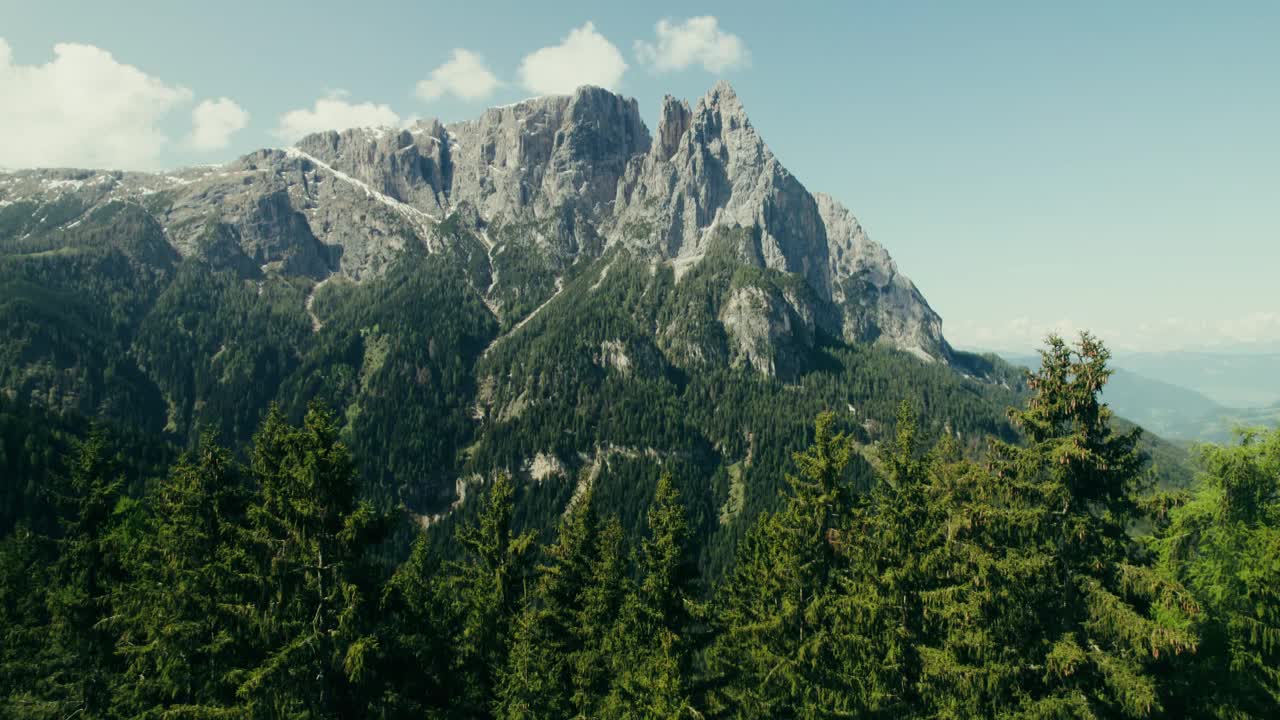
<point x="709" y="168"/>
<point x="530" y="158"/>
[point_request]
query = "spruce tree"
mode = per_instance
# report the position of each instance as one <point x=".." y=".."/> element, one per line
<point x="594" y="667"/>
<point x="84" y="665"/>
<point x="1225" y="546"/>
<point x="1048" y="606"/>
<point x="657" y="635"/>
<point x="486" y="588"/>
<point x="537" y="680"/>
<point x="781" y="649"/>
<point x="316" y="590"/>
<point x="178" y="619"/>
<point x="28" y="687"/>
<point x="886" y="558"/>
<point x="415" y="668"/>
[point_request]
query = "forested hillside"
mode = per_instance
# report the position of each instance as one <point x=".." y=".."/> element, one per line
<point x="547" y="291"/>
<point x="1035" y="575"/>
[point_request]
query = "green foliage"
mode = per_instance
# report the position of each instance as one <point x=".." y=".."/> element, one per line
<point x="81" y="660"/>
<point x="900" y="569"/>
<point x="316" y="591"/>
<point x="538" y="679"/>
<point x="654" y="660"/>
<point x="781" y="651"/>
<point x="1048" y="605"/>
<point x="485" y="589"/>
<point x="1225" y="546"/>
<point x="219" y="346"/>
<point x="180" y="630"/>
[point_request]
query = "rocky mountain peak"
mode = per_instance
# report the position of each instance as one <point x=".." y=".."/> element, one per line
<point x="719" y="173"/>
<point x="672" y="126"/>
<point x="532" y="157"/>
<point x="409" y="165"/>
<point x="723" y="100"/>
<point x="569" y="175"/>
<point x="709" y="169"/>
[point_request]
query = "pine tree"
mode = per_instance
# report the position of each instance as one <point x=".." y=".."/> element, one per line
<point x="179" y="617"/>
<point x="1225" y="546"/>
<point x="84" y="665"/>
<point x="657" y="638"/>
<point x="28" y="688"/>
<point x="595" y="665"/>
<point x="537" y="680"/>
<point x="886" y="558"/>
<point x="1048" y="606"/>
<point x="315" y="590"/>
<point x="415" y="668"/>
<point x="780" y="647"/>
<point x="486" y="588"/>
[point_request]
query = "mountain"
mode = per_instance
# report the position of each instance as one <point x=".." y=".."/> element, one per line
<point x="1160" y="407"/>
<point x="548" y="289"/>
<point x="563" y="178"/>
<point x="1232" y="379"/>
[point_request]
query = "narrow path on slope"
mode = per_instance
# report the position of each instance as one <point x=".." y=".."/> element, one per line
<point x="493" y="274"/>
<point x="527" y="318"/>
<point x="311" y="301"/>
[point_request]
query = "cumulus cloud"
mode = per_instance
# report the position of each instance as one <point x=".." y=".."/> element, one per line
<point x="213" y="122"/>
<point x="83" y="108"/>
<point x="696" y="41"/>
<point x="585" y="57"/>
<point x="464" y="75"/>
<point x="333" y="112"/>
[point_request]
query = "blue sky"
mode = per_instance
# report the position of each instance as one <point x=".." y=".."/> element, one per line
<point x="1032" y="166"/>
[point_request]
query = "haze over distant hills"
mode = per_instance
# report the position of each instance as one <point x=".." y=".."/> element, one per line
<point x="1192" y="395"/>
<point x="1234" y="378"/>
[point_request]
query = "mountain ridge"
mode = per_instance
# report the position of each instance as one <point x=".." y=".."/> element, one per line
<point x="582" y="168"/>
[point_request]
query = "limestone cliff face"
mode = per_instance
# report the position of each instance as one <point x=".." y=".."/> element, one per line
<point x="533" y="157"/>
<point x="412" y="166"/>
<point x="876" y="302"/>
<point x="766" y="328"/>
<point x="520" y="194"/>
<point x="709" y="168"/>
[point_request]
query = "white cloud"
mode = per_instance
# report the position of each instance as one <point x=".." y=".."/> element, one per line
<point x="213" y="122"/>
<point x="696" y="41"/>
<point x="82" y="108"/>
<point x="464" y="76"/>
<point x="333" y="112"/>
<point x="1020" y="334"/>
<point x="585" y="57"/>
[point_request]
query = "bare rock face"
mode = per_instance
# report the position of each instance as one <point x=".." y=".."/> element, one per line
<point x="411" y="166"/>
<point x="720" y="173"/>
<point x="766" y="328"/>
<point x="532" y="157"/>
<point x="877" y="303"/>
<point x="709" y="168"/>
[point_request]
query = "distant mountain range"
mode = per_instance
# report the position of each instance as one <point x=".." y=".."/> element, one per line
<point x="1233" y="379"/>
